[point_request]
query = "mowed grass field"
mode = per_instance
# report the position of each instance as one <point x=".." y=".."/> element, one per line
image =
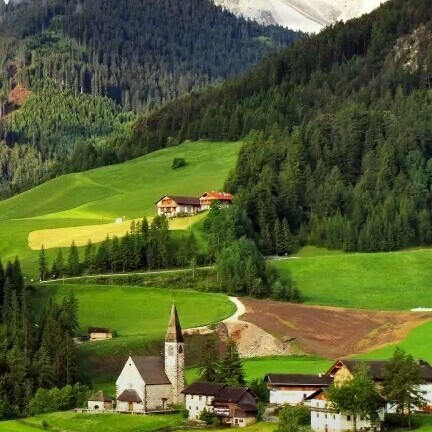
<point x="72" y="422"/>
<point x="137" y="311"/>
<point x="382" y="281"/>
<point x="100" y="196"/>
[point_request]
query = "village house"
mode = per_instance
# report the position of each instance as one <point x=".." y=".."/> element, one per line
<point x="344" y="368"/>
<point x="149" y="384"/>
<point x="100" y="401"/>
<point x="324" y="418"/>
<point x="171" y="206"/>
<point x="234" y="406"/>
<point x="208" y="198"/>
<point x="292" y="389"/>
<point x="99" y="333"/>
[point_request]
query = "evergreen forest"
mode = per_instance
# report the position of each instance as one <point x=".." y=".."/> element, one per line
<point x="73" y="74"/>
<point x="337" y="130"/>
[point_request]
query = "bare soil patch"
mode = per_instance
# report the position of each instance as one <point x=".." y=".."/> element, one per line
<point x="331" y="332"/>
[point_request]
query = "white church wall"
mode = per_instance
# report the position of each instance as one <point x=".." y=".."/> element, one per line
<point x="130" y="378"/>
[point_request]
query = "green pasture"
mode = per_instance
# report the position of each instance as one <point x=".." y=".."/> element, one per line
<point x="100" y="196"/>
<point x="257" y="368"/>
<point x="418" y="343"/>
<point x="136" y="311"/>
<point x="382" y="281"/>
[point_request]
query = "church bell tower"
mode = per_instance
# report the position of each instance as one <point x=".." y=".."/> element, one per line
<point x="174" y="356"/>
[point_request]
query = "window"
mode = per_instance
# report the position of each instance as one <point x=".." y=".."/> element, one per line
<point x="349" y="418"/>
<point x="317" y="414"/>
<point x="180" y="350"/>
<point x="190" y="408"/>
<point x="304" y="395"/>
<point x="325" y="415"/>
<point x="334" y="417"/>
<point x="200" y="398"/>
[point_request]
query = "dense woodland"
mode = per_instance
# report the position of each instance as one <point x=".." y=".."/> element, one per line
<point x="35" y="352"/>
<point x="240" y="268"/>
<point x="92" y="64"/>
<point x="344" y="148"/>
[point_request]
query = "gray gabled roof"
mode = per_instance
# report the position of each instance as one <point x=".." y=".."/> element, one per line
<point x="299" y="380"/>
<point x="100" y="396"/>
<point x="151" y="369"/>
<point x="129" y="396"/>
<point x="203" y="388"/>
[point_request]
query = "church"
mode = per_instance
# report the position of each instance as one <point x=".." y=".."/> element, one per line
<point x="149" y="384"/>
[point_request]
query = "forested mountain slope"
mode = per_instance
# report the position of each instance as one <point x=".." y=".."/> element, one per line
<point x="346" y="149"/>
<point x="84" y="67"/>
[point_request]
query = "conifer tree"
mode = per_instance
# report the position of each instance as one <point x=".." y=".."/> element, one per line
<point x="43" y="264"/>
<point x="288" y="241"/>
<point x="73" y="264"/>
<point x="231" y="368"/>
<point x="402" y="381"/>
<point x="208" y="367"/>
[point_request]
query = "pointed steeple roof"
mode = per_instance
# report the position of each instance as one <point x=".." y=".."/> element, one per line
<point x="174" y="333"/>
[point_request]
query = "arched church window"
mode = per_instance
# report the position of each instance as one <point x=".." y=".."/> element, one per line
<point x="180" y="350"/>
<point x="170" y="350"/>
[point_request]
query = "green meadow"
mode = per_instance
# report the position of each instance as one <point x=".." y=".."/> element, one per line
<point x="100" y="196"/>
<point x="418" y="343"/>
<point x="136" y="312"/>
<point x="383" y="281"/>
<point x="257" y="368"/>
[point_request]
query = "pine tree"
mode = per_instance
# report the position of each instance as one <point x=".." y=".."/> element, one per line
<point x="278" y="236"/>
<point x="288" y="241"/>
<point x="43" y="264"/>
<point x="209" y="361"/>
<point x="231" y="368"/>
<point x="73" y="264"/>
<point x="402" y="381"/>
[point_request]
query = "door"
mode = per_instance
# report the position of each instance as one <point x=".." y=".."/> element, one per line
<point x="130" y="406"/>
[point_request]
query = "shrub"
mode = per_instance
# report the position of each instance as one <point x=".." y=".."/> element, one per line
<point x="209" y="417"/>
<point x="178" y="163"/>
<point x="45" y="425"/>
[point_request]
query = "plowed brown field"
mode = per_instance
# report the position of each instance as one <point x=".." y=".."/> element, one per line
<point x="331" y="332"/>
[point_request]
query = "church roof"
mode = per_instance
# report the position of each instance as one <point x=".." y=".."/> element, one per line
<point x="129" y="396"/>
<point x="151" y="369"/>
<point x="100" y="396"/>
<point x="174" y="333"/>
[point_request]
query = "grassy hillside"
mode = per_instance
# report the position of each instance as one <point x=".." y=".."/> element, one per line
<point x="385" y="281"/>
<point x="257" y="368"/>
<point x="137" y="311"/>
<point x="101" y="195"/>
<point x="418" y="343"/>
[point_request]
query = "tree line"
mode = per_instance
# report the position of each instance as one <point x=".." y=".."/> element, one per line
<point x="336" y="131"/>
<point x="37" y="352"/>
<point x="240" y="266"/>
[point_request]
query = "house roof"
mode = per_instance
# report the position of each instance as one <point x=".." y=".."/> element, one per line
<point x="174" y="332"/>
<point x="220" y="196"/>
<point x="203" y="389"/>
<point x="299" y="380"/>
<point x="129" y="396"/>
<point x="100" y="396"/>
<point x="98" y="330"/>
<point x="230" y="394"/>
<point x="247" y="407"/>
<point x="376" y="367"/>
<point x="314" y="394"/>
<point x="182" y="200"/>
<point x="151" y="369"/>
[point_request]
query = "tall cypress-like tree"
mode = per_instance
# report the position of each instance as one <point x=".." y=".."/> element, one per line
<point x="231" y="368"/>
<point x="43" y="264"/>
<point x="73" y="264"/>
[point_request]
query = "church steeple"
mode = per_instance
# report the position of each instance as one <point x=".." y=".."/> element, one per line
<point x="174" y="332"/>
<point x="175" y="356"/>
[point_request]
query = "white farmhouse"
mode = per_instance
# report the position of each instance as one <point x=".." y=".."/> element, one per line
<point x="324" y="418"/>
<point x="152" y="383"/>
<point x="292" y="389"/>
